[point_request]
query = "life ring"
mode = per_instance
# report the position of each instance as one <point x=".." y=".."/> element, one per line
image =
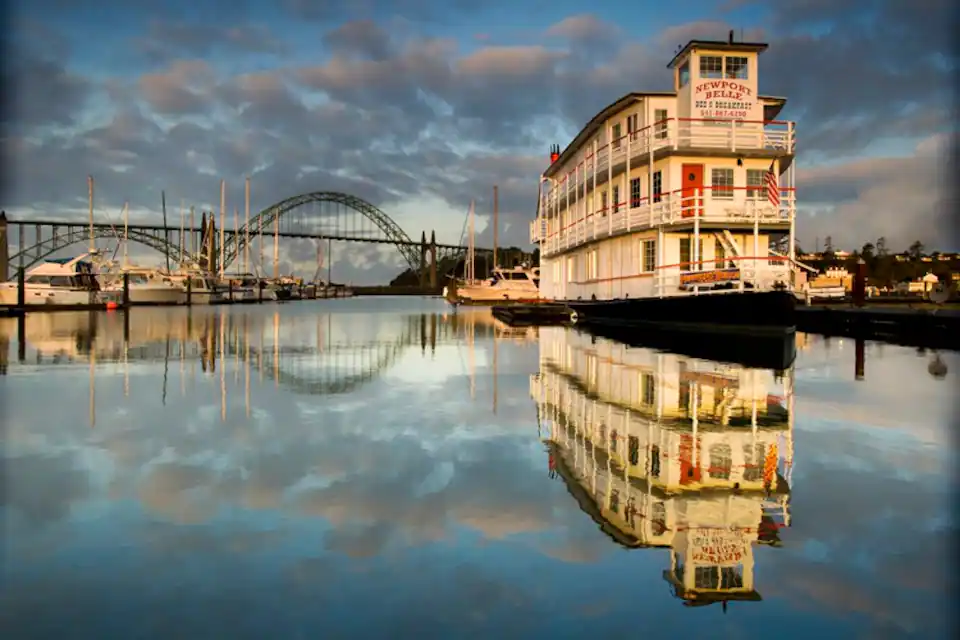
<point x="573" y="317"/>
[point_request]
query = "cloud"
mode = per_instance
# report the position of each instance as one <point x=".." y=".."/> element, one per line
<point x="397" y="104"/>
<point x="900" y="198"/>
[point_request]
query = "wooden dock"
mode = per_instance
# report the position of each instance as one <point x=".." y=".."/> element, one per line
<point x="922" y="325"/>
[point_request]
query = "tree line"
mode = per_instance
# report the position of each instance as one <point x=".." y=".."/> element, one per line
<point x="885" y="268"/>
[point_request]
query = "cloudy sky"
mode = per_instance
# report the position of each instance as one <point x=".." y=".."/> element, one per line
<point x="418" y="106"/>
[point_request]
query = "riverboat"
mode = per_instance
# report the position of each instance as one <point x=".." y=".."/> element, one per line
<point x="667" y="208"/>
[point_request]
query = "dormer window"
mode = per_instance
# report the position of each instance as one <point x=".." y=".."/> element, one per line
<point x="684" y="74"/>
<point x="711" y="66"/>
<point x="736" y="68"/>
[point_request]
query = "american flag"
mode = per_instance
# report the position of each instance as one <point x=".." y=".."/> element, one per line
<point x="770" y="182"/>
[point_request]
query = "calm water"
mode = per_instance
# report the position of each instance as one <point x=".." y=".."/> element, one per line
<point x="383" y="468"/>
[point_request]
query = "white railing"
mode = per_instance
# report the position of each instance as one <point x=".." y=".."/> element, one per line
<point x="736" y="205"/>
<point x="676" y="134"/>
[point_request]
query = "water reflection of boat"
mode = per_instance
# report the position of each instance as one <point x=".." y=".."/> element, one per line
<point x="662" y="450"/>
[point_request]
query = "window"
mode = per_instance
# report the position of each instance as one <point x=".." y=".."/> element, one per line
<point x="632" y="126"/>
<point x="614" y="501"/>
<point x="721" y="183"/>
<point x="686" y="256"/>
<point x="603" y="203"/>
<point x="720" y="461"/>
<point x="647" y="389"/>
<point x="654" y="461"/>
<point x="659" y="518"/>
<point x="711" y="66"/>
<point x="635" y="192"/>
<point x="660" y="124"/>
<point x="736" y="67"/>
<point x="755" y="190"/>
<point x="720" y="255"/>
<point x="616" y="136"/>
<point x="593" y="264"/>
<point x="753" y="458"/>
<point x="684" y="73"/>
<point x="633" y="449"/>
<point x="616" y="198"/>
<point x="657" y="186"/>
<point x="649" y="255"/>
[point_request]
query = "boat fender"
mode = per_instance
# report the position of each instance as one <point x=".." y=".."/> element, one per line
<point x="573" y="317"/>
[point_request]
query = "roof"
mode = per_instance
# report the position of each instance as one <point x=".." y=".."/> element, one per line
<point x="771" y="109"/>
<point x="599" y="119"/>
<point x="717" y="45"/>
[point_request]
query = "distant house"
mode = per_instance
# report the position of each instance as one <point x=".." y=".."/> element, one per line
<point x="920" y="285"/>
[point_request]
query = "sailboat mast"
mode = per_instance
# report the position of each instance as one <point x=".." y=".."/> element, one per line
<point x="470" y="251"/>
<point x="236" y="226"/>
<point x="126" y="235"/>
<point x="182" y="225"/>
<point x="163" y="205"/>
<point x="496" y="213"/>
<point x="246" y="224"/>
<point x="93" y="246"/>
<point x="276" y="246"/>
<point x="193" y="233"/>
<point x="223" y="205"/>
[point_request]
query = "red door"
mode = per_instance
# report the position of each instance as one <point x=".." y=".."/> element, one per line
<point x="692" y="192"/>
<point x="689" y="471"/>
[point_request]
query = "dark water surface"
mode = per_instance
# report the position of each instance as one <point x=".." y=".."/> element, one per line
<point x="386" y="469"/>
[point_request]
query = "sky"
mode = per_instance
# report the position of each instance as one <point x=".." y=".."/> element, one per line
<point x="419" y="106"/>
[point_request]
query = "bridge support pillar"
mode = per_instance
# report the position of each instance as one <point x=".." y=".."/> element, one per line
<point x="423" y="259"/>
<point x="4" y="247"/>
<point x="433" y="260"/>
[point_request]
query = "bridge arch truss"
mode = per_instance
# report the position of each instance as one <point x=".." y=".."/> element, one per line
<point x="264" y="221"/>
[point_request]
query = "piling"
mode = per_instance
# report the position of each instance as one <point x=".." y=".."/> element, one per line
<point x="21" y="289"/>
<point x="859" y="358"/>
<point x="22" y="339"/>
<point x="860" y="283"/>
<point x="126" y="291"/>
<point x="189" y="291"/>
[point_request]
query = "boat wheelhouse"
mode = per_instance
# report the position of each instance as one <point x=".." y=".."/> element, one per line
<point x="664" y="208"/>
<point x="666" y="451"/>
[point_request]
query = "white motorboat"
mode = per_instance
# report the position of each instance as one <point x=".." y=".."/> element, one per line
<point x="516" y="284"/>
<point x="68" y="281"/>
<point x="145" y="286"/>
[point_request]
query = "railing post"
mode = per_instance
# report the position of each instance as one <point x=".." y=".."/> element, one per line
<point x="733" y="135"/>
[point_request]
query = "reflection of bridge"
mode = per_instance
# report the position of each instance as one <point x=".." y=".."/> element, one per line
<point x="322" y="367"/>
<point x="317" y="216"/>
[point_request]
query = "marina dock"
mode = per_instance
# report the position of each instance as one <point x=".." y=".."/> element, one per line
<point x="929" y="326"/>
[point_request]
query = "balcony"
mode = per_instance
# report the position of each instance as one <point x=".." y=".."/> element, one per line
<point x="773" y="138"/>
<point x="727" y="207"/>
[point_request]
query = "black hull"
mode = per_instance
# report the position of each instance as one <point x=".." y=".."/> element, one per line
<point x="776" y="352"/>
<point x="739" y="313"/>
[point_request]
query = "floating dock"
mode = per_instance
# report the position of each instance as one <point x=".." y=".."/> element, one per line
<point x="533" y="314"/>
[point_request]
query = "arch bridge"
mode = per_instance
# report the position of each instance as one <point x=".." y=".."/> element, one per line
<point x="315" y="216"/>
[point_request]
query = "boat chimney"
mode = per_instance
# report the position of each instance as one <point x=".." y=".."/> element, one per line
<point x="554" y="153"/>
<point x="730" y="38"/>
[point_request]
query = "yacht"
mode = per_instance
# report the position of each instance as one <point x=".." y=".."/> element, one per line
<point x="514" y="285"/>
<point x="145" y="285"/>
<point x="203" y="287"/>
<point x="665" y="208"/>
<point x="67" y="281"/>
<point x="243" y="287"/>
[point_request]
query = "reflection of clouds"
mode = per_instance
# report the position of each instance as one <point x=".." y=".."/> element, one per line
<point x="42" y="488"/>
